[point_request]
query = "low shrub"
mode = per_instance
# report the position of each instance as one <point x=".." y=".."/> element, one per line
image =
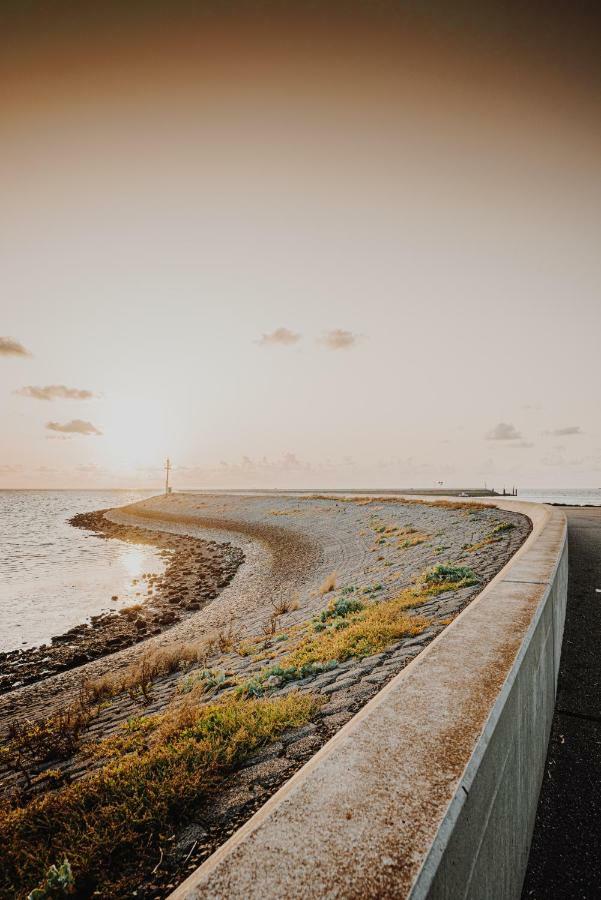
<point x="447" y="574"/>
<point x="56" y="737"/>
<point x="113" y="822"/>
<point x="363" y="633"/>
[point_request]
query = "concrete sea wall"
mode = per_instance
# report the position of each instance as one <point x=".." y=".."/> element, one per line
<point x="431" y="789"/>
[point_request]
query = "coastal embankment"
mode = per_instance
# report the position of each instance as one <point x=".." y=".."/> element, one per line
<point x="334" y="597"/>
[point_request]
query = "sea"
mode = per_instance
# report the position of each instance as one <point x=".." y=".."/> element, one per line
<point x="565" y="496"/>
<point x="54" y="576"/>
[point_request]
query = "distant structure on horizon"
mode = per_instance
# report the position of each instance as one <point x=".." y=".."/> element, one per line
<point x="167" y="470"/>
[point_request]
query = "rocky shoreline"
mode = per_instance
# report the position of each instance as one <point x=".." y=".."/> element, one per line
<point x="195" y="571"/>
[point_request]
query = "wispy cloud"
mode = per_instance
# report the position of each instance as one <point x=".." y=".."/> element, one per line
<point x="564" y="432"/>
<point x="521" y="445"/>
<point x="338" y="339"/>
<point x="10" y="347"/>
<point x="75" y="426"/>
<point x="54" y="392"/>
<point x="281" y="336"/>
<point x="504" y="431"/>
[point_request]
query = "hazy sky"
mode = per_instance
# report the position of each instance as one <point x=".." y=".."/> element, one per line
<point x="298" y="255"/>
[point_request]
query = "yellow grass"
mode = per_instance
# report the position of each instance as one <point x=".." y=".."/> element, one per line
<point x="112" y="824"/>
<point x="367" y="632"/>
<point x="328" y="584"/>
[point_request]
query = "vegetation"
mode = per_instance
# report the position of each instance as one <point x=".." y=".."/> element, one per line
<point x="55" y="737"/>
<point x="58" y="882"/>
<point x="502" y="526"/>
<point x="446" y="577"/>
<point x="410" y="537"/>
<point x="360" y="633"/>
<point x="113" y="823"/>
<point x="328" y="584"/>
<point x="137" y="679"/>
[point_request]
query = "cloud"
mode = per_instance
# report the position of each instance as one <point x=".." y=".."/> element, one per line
<point x="9" y="347"/>
<point x="54" y="392"/>
<point x="563" y="432"/>
<point x="503" y="432"/>
<point x="338" y="339"/>
<point x="282" y="336"/>
<point x="521" y="445"/>
<point x="75" y="426"/>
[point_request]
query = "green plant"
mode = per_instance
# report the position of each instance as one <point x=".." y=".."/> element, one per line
<point x="203" y="680"/>
<point x="448" y="574"/>
<point x="58" y="882"/>
<point x="341" y="607"/>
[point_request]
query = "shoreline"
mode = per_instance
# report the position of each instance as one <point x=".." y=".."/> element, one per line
<point x="196" y="570"/>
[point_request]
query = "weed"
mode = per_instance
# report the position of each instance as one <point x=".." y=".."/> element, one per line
<point x="448" y="577"/>
<point x="58" y="882"/>
<point x="502" y="526"/>
<point x="114" y="821"/>
<point x="57" y="737"/>
<point x="202" y="681"/>
<point x="328" y="584"/>
<point x="137" y="679"/>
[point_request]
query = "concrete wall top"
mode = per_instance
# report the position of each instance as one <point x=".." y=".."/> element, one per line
<point x="362" y="816"/>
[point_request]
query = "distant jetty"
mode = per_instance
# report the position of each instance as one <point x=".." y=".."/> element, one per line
<point x="418" y="492"/>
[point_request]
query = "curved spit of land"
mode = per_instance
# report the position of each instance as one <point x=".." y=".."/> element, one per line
<point x="334" y="596"/>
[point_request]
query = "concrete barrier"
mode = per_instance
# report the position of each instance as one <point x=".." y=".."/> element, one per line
<point x="431" y="789"/>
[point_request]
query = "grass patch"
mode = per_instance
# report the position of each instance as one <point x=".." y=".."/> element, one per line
<point x="410" y="537"/>
<point x="446" y="577"/>
<point x="137" y="679"/>
<point x="112" y="824"/>
<point x="361" y="633"/>
<point x="479" y="545"/>
<point x="502" y="526"/>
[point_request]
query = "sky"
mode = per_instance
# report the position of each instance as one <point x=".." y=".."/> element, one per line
<point x="341" y="251"/>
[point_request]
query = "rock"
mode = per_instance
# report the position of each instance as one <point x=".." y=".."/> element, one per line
<point x="186" y="839"/>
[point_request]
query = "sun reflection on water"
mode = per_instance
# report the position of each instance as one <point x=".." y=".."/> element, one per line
<point x="133" y="559"/>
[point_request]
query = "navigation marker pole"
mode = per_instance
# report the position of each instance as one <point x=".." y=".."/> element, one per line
<point x="167" y="470"/>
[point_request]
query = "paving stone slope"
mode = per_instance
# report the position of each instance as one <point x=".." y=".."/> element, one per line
<point x="357" y="539"/>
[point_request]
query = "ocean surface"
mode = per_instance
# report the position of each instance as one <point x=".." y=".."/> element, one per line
<point x="569" y="496"/>
<point x="54" y="576"/>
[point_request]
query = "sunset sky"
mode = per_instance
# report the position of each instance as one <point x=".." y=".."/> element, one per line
<point x="346" y="252"/>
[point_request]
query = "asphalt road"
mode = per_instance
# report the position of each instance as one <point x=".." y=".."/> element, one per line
<point x="565" y="857"/>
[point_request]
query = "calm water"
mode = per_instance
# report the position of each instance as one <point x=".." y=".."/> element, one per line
<point x="54" y="576"/>
<point x="571" y="496"/>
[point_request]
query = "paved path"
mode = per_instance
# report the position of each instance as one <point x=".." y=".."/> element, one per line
<point x="565" y="858"/>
